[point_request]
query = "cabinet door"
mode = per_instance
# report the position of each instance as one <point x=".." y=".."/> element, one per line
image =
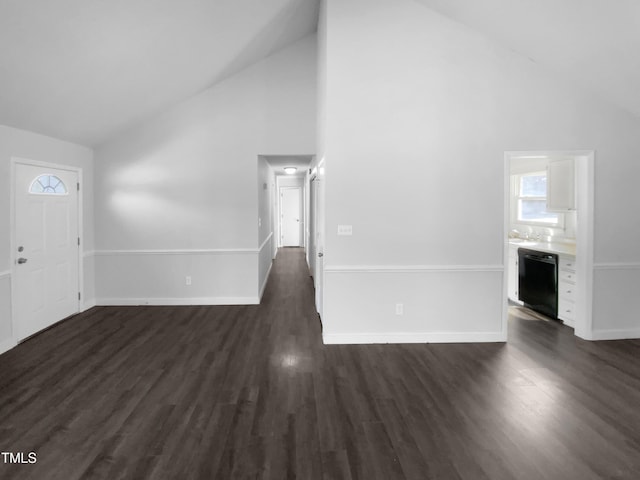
<point x="512" y="275"/>
<point x="561" y="182"/>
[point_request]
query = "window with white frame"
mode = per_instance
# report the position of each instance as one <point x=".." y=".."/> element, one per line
<point x="48" y="185"/>
<point x="531" y="201"/>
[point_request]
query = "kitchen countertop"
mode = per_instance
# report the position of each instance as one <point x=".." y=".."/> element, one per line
<point x="550" y="247"/>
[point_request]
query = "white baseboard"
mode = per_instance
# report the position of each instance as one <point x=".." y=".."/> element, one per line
<point x="7" y="345"/>
<point x="87" y="305"/>
<point x="264" y="282"/>
<point x="615" y="334"/>
<point x="427" y="337"/>
<point x="178" y="301"/>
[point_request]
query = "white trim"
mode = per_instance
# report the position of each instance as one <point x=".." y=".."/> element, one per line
<point x="217" y="251"/>
<point x="424" y="337"/>
<point x="177" y="251"/>
<point x="89" y="253"/>
<point x="88" y="305"/>
<point x="585" y="203"/>
<point x="266" y="277"/>
<point x="411" y="268"/>
<point x="7" y="345"/>
<point x="265" y="242"/>
<point x="38" y="163"/>
<point x="81" y="236"/>
<point x="617" y="266"/>
<point x="177" y="301"/>
<point x="6" y="273"/>
<point x="615" y="334"/>
<point x="264" y="282"/>
<point x="506" y="226"/>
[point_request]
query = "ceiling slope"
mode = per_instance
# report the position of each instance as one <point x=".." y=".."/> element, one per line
<point x="83" y="70"/>
<point x="595" y="43"/>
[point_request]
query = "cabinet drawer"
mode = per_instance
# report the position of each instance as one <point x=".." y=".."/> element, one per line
<point x="567" y="263"/>
<point x="566" y="309"/>
<point x="567" y="290"/>
<point x="567" y="276"/>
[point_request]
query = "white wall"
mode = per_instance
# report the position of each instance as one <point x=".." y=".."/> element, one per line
<point x="21" y="144"/>
<point x="419" y="112"/>
<point x="181" y="188"/>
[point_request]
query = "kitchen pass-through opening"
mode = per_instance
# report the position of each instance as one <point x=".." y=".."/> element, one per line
<point x="548" y="215"/>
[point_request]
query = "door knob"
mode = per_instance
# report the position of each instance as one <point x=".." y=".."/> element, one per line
<point x="22" y="260"/>
<point x="321" y="254"/>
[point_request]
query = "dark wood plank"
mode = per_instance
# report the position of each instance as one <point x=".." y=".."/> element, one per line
<point x="225" y="392"/>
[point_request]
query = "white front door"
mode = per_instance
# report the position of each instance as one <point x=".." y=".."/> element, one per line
<point x="46" y="276"/>
<point x="290" y="225"/>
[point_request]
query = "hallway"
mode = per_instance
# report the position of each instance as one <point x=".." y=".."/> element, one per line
<point x="231" y="392"/>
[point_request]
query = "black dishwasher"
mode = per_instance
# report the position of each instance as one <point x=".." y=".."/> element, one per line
<point x="538" y="281"/>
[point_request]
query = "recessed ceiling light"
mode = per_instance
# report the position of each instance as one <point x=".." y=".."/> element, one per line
<point x="290" y="170"/>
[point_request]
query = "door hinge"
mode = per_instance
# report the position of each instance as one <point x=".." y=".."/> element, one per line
<point x="78" y="241"/>
<point x="78" y="186"/>
<point x="78" y="295"/>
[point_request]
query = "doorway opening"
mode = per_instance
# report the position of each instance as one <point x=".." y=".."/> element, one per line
<point x="548" y="212"/>
<point x="315" y="241"/>
<point x="308" y="177"/>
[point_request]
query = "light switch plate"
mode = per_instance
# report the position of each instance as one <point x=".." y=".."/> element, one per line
<point x="345" y="230"/>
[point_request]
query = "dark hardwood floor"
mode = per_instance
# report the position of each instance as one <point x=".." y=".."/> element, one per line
<point x="251" y="392"/>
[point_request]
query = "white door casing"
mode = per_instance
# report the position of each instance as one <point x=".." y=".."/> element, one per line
<point x="46" y="279"/>
<point x="290" y="216"/>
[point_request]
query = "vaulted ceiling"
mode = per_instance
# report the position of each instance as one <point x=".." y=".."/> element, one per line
<point x="83" y="70"/>
<point x="592" y="43"/>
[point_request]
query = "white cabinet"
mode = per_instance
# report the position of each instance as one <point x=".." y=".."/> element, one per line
<point x="567" y="289"/>
<point x="561" y="181"/>
<point x="512" y="274"/>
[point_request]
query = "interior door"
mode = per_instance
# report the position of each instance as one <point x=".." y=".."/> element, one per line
<point x="290" y="215"/>
<point x="319" y="241"/>
<point x="312" y="230"/>
<point x="46" y="241"/>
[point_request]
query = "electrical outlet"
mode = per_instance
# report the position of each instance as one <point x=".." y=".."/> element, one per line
<point x="399" y="309"/>
<point x="346" y="230"/>
<point x="187" y="280"/>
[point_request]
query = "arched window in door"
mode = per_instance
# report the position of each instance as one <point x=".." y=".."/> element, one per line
<point x="48" y="185"/>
